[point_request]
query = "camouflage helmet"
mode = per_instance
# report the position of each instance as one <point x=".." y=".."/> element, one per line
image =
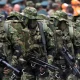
<point x="30" y="12"/>
<point x="60" y="15"/>
<point x="15" y="14"/>
<point x="38" y="5"/>
<point x="29" y="3"/>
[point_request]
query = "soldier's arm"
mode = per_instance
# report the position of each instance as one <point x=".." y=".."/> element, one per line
<point x="12" y="36"/>
<point x="49" y="35"/>
<point x="49" y="42"/>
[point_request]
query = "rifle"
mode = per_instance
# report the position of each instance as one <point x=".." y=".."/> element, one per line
<point x="70" y="60"/>
<point x="39" y="62"/>
<point x="9" y="66"/>
<point x="3" y="63"/>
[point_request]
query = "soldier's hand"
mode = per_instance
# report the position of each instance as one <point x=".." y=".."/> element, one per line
<point x="6" y="71"/>
<point x="41" y="69"/>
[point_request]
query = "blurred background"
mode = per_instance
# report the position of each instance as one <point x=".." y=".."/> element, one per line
<point x="46" y="7"/>
<point x="63" y="1"/>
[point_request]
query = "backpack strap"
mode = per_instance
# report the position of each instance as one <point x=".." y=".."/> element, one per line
<point x="71" y="31"/>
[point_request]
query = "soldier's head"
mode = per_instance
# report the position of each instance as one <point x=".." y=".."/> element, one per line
<point x="60" y="19"/>
<point x="15" y="16"/>
<point x="63" y="25"/>
<point x="38" y="6"/>
<point x="31" y="17"/>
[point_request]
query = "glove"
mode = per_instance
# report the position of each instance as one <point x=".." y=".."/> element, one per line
<point x="18" y="51"/>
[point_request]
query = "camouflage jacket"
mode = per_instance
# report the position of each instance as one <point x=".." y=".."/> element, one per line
<point x="14" y="33"/>
<point x="33" y="40"/>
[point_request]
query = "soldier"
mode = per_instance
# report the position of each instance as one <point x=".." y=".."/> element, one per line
<point x="3" y="48"/>
<point x="35" y="45"/>
<point x="77" y="26"/>
<point x="3" y="41"/>
<point x="65" y="35"/>
<point x="13" y="28"/>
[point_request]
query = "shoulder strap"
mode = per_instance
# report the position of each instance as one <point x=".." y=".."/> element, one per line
<point x="43" y="37"/>
<point x="71" y="31"/>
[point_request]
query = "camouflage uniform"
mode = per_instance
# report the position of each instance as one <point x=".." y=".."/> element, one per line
<point x="3" y="46"/>
<point x="77" y="23"/>
<point x="18" y="25"/>
<point x="10" y="54"/>
<point x="77" y="26"/>
<point x="13" y="29"/>
<point x="65" y="34"/>
<point x="3" y="43"/>
<point x="34" y="42"/>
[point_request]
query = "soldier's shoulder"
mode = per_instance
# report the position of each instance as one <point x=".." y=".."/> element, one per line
<point x="46" y="28"/>
<point x="9" y="27"/>
<point x="44" y="24"/>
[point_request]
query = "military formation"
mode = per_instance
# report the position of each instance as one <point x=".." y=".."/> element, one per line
<point x="36" y="47"/>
